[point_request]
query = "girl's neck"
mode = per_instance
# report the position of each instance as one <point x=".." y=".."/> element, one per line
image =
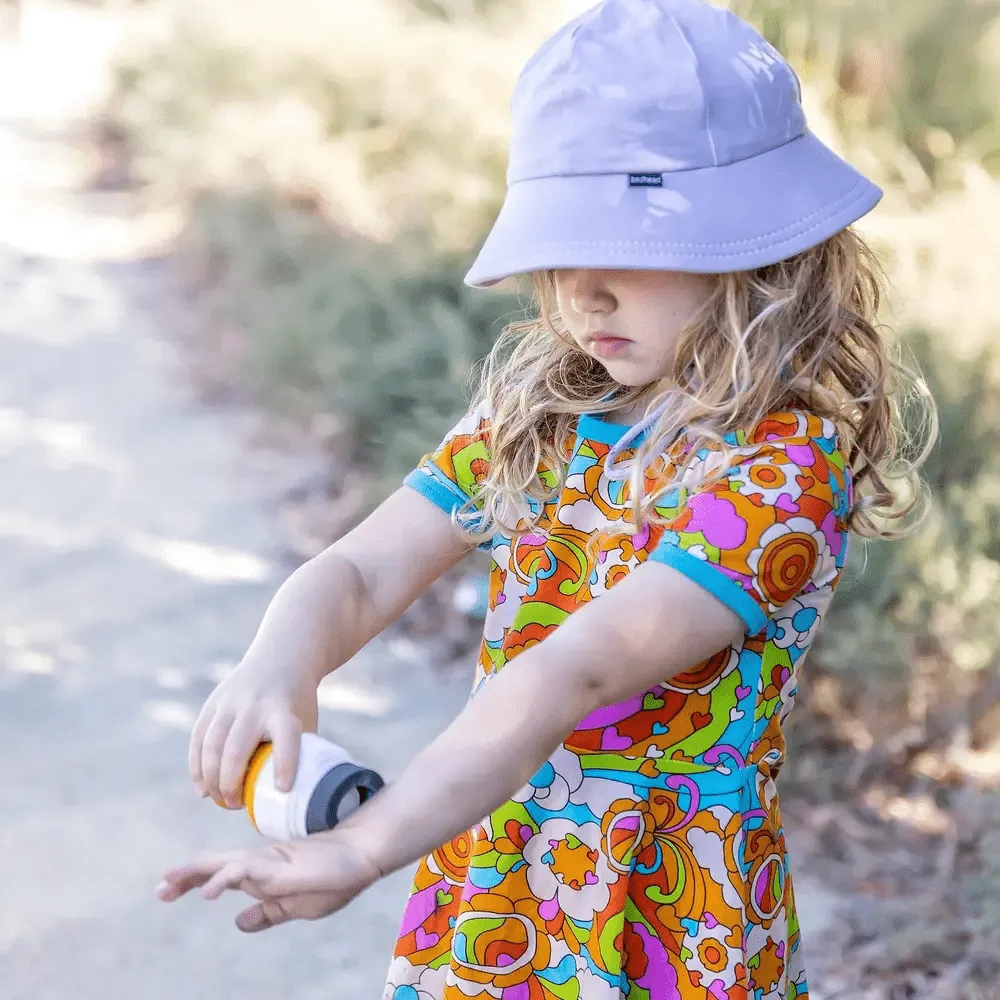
<point x="636" y="410"/>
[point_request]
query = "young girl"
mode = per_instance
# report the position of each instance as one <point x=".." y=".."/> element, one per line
<point x="666" y="465"/>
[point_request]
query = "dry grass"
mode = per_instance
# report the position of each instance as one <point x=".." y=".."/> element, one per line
<point x="944" y="260"/>
<point x="384" y="119"/>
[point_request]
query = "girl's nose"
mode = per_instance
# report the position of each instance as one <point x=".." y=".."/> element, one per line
<point x="588" y="292"/>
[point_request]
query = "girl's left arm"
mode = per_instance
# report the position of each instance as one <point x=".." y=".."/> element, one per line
<point x="653" y="624"/>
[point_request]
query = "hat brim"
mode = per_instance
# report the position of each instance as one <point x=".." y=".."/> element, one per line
<point x="736" y="217"/>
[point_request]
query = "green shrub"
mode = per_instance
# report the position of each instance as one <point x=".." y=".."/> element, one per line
<point x="934" y="595"/>
<point x="923" y="75"/>
<point x="384" y="337"/>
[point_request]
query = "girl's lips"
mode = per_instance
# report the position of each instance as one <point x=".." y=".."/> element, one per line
<point x="606" y="346"/>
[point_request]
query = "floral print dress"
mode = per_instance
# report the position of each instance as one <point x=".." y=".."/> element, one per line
<point x="646" y="858"/>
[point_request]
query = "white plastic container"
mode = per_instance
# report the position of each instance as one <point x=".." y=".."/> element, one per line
<point x="328" y="787"/>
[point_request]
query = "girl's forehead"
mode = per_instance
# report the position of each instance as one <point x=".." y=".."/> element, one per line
<point x="631" y="278"/>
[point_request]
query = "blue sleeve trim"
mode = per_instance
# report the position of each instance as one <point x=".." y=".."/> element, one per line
<point x="449" y="500"/>
<point x="715" y="582"/>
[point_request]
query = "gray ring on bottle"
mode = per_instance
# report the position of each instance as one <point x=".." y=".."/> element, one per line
<point x="321" y="813"/>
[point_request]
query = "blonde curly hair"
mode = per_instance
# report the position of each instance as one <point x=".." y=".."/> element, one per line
<point x="802" y="333"/>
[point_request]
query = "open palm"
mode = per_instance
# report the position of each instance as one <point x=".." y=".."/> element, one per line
<point x="301" y="880"/>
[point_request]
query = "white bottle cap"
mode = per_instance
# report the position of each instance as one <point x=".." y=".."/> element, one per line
<point x="328" y="787"/>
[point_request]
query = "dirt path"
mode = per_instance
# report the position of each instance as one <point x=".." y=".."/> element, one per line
<point x="139" y="555"/>
<point x="140" y="549"/>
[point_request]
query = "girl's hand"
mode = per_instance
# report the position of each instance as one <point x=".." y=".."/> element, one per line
<point x="326" y="611"/>
<point x="256" y="703"/>
<point x="300" y="880"/>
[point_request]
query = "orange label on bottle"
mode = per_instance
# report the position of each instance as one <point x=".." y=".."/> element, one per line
<point x="256" y="765"/>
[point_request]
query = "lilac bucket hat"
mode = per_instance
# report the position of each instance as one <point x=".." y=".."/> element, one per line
<point x="663" y="134"/>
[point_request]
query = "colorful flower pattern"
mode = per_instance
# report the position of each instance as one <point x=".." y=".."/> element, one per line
<point x="646" y="858"/>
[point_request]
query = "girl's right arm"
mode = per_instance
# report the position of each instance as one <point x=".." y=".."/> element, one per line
<point x="320" y="617"/>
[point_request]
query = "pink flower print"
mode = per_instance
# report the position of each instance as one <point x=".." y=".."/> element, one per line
<point x="716" y="518"/>
<point x="801" y="454"/>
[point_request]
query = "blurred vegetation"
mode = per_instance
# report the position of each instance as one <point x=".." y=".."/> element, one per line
<point x="934" y="595"/>
<point x="402" y="332"/>
<point x="340" y="164"/>
<point x="922" y="76"/>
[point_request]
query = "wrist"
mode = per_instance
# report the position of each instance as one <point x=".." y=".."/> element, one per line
<point x="383" y="830"/>
<point x="369" y="868"/>
<point x="290" y="672"/>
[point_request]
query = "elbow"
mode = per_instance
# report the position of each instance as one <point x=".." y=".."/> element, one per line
<point x="592" y="693"/>
<point x="339" y="582"/>
<point x="604" y="671"/>
<point x="587" y="683"/>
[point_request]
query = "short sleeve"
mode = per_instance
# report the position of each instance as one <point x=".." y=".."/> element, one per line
<point x="769" y="529"/>
<point x="449" y="476"/>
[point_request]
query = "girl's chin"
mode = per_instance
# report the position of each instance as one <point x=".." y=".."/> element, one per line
<point x="630" y="373"/>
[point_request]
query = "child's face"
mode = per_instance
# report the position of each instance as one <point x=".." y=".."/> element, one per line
<point x="630" y="320"/>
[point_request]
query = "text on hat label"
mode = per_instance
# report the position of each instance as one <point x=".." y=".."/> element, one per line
<point x="645" y="180"/>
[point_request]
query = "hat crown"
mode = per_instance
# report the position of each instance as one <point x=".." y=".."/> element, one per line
<point x="651" y="86"/>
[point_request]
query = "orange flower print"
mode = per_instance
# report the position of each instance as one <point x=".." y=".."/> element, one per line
<point x="768" y="481"/>
<point x="767" y="477"/>
<point x="767" y="967"/>
<point x="480" y="469"/>
<point x="565" y="861"/>
<point x="787" y="554"/>
<point x="636" y="860"/>
<point x="452" y="859"/>
<point x="713" y="954"/>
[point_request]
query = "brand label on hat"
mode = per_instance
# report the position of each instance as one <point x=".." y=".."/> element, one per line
<point x="645" y="180"/>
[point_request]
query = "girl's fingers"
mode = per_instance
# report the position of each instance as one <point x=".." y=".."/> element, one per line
<point x="260" y="874"/>
<point x="182" y="879"/>
<point x="245" y="873"/>
<point x="253" y="919"/>
<point x="244" y="737"/>
<point x="229" y="877"/>
<point x="211" y="753"/>
<point x="285" y="732"/>
<point x="262" y="915"/>
<point x="167" y="892"/>
<point x="205" y="718"/>
<point x="275" y="910"/>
